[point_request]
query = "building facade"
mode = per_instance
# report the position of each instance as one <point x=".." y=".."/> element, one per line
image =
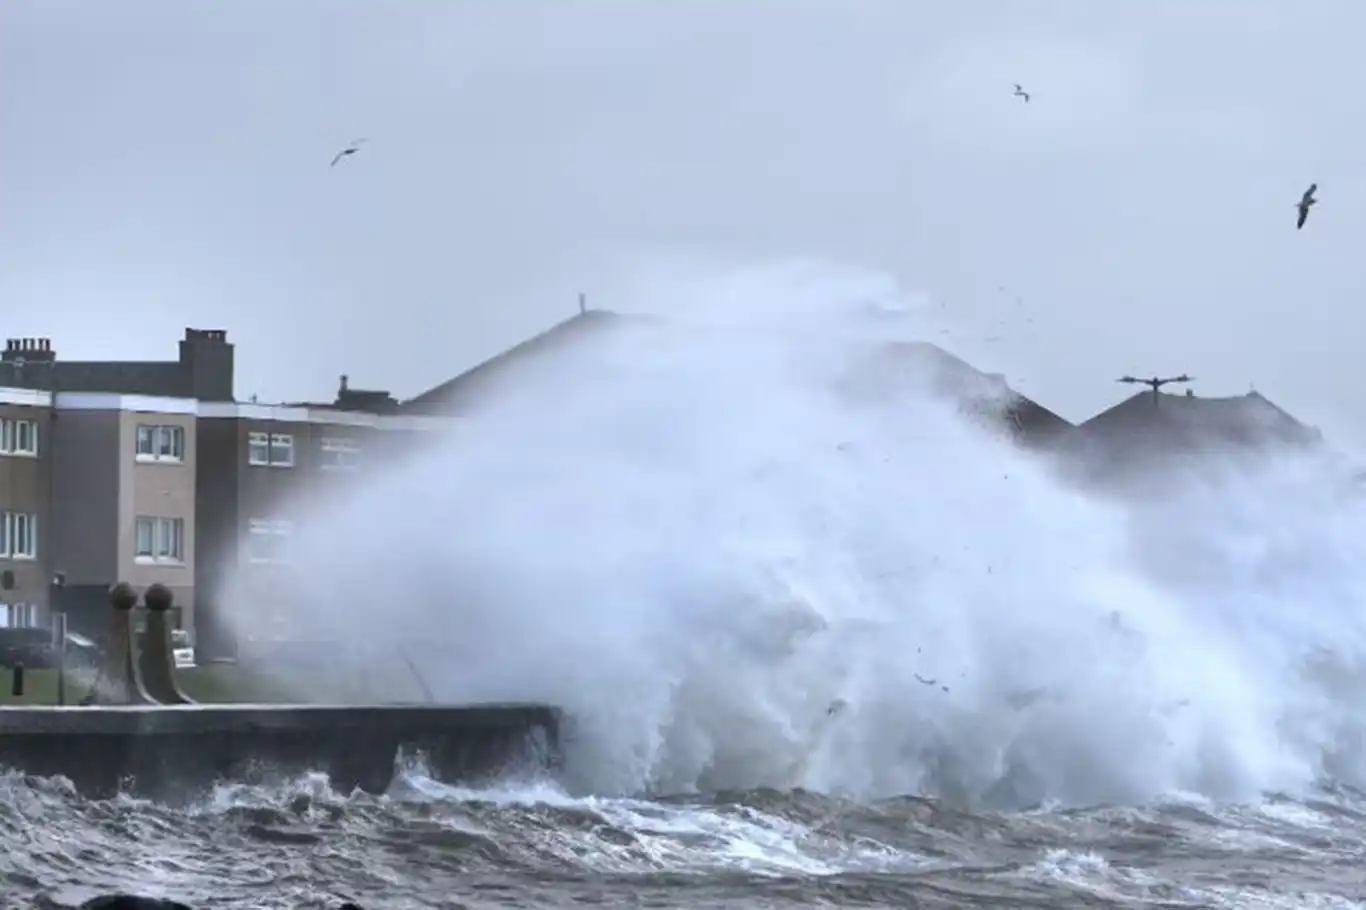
<point x="257" y="468"/>
<point x="150" y="472"/>
<point x="25" y="481"/>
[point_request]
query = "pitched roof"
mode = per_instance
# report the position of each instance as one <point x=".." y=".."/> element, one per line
<point x="983" y="395"/>
<point x="1159" y="420"/>
<point x="456" y="394"/>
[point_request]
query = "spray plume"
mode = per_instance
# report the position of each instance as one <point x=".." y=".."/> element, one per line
<point x="758" y="542"/>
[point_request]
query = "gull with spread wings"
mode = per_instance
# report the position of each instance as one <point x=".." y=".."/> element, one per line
<point x="1305" y="202"/>
<point x="349" y="150"/>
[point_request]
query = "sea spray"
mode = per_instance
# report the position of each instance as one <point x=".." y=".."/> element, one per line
<point x="700" y="528"/>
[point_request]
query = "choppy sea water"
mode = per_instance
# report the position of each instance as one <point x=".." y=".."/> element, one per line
<point x="697" y="536"/>
<point x="427" y="845"/>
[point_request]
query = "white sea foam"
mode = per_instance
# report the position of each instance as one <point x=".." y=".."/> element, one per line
<point x="698" y="533"/>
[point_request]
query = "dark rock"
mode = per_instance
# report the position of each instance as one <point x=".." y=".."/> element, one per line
<point x="130" y="902"/>
<point x="133" y="902"/>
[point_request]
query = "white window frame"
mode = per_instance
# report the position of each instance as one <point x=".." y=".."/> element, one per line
<point x="19" y="437"/>
<point x="165" y="540"/>
<point x="270" y="450"/>
<point x="26" y="613"/>
<point x="339" y="453"/>
<point x="18" y="535"/>
<point x="273" y="529"/>
<point x="258" y="449"/>
<point x="282" y="450"/>
<point x="150" y="440"/>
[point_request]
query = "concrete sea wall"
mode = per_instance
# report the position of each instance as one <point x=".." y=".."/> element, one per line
<point x="149" y="738"/>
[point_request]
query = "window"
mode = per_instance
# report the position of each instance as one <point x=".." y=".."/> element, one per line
<point x="274" y="449"/>
<point x="159" y="540"/>
<point x="160" y="443"/>
<point x="18" y="437"/>
<point x="258" y="448"/>
<point x="18" y="535"/>
<point x="268" y="540"/>
<point x="18" y="616"/>
<point x="339" y="453"/>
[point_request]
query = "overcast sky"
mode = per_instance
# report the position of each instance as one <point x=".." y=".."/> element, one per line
<point x="165" y="164"/>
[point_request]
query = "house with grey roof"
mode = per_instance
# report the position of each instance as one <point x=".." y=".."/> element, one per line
<point x="886" y="367"/>
<point x="1153" y="432"/>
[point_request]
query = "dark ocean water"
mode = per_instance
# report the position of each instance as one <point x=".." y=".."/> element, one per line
<point x="426" y="845"/>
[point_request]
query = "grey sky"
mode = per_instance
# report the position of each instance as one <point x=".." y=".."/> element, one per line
<point x="164" y="164"/>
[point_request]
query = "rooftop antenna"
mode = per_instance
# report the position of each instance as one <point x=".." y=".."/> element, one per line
<point x="583" y="303"/>
<point x="1155" y="383"/>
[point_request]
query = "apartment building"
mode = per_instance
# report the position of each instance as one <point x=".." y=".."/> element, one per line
<point x="25" y="478"/>
<point x="150" y="471"/>
<point x="257" y="465"/>
<point x="97" y="473"/>
<point x="122" y="503"/>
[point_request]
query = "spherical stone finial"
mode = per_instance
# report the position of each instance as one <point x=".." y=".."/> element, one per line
<point x="123" y="597"/>
<point x="158" y="598"/>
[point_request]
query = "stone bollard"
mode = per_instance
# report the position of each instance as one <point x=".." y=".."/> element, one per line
<point x="119" y="682"/>
<point x="156" y="657"/>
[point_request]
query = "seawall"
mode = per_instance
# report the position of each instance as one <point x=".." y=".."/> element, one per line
<point x="150" y="739"/>
<point x="168" y="752"/>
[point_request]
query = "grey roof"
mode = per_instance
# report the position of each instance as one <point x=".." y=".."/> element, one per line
<point x="456" y="394"/>
<point x="887" y="364"/>
<point x="1149" y="429"/>
<point x="920" y="364"/>
<point x="126" y="377"/>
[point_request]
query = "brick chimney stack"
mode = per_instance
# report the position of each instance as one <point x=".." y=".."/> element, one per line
<point x="28" y="350"/>
<point x="206" y="357"/>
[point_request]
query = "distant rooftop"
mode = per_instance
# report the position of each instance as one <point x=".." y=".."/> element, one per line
<point x="370" y="401"/>
<point x="460" y="392"/>
<point x="1249" y="419"/>
<point x="203" y="369"/>
<point x="984" y="394"/>
<point x="1150" y="427"/>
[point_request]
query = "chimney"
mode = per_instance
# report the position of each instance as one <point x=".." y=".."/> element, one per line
<point x="28" y="350"/>
<point x="365" y="400"/>
<point x="206" y="360"/>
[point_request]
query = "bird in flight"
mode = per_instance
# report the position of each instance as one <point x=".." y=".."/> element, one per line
<point x="349" y="150"/>
<point x="1021" y="93"/>
<point x="1305" y="202"/>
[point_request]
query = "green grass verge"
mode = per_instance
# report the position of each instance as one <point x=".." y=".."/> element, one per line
<point x="211" y="684"/>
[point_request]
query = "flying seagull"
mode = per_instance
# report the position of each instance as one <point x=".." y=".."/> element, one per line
<point x="349" y="150"/>
<point x="929" y="682"/>
<point x="1305" y="202"/>
<point x="1021" y="93"/>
